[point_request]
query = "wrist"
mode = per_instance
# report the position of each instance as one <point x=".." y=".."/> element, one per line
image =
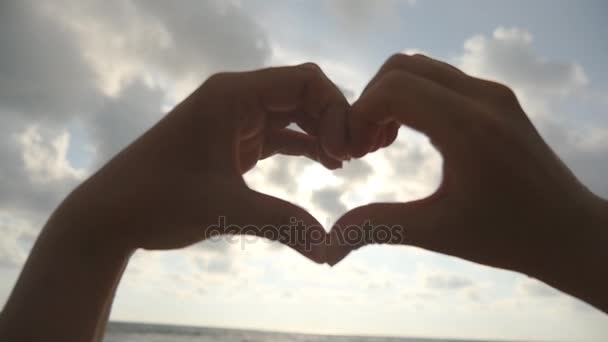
<point x="575" y="261"/>
<point x="70" y="276"/>
<point x="84" y="226"/>
<point x="601" y="216"/>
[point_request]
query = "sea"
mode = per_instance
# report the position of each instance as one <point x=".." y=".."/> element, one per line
<point x="137" y="332"/>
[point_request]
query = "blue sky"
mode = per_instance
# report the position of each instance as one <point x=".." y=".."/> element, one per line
<point x="83" y="79"/>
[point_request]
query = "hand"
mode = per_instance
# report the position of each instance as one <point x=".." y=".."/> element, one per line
<point x="185" y="172"/>
<point x="506" y="199"/>
<point x="167" y="187"/>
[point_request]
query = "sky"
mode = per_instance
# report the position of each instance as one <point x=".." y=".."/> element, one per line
<point x="81" y="79"/>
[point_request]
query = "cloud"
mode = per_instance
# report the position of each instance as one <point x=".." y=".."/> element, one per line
<point x="123" y="118"/>
<point x="47" y="161"/>
<point x="76" y="75"/>
<point x="163" y="41"/>
<point x="534" y="288"/>
<point x="328" y="200"/>
<point x="355" y="171"/>
<point x="219" y="33"/>
<point x="35" y="173"/>
<point x="214" y="263"/>
<point x="17" y="236"/>
<point x="281" y="172"/>
<point x="44" y="84"/>
<point x="508" y="56"/>
<point x="348" y="93"/>
<point x="360" y="15"/>
<point x="42" y="74"/>
<point x="415" y="167"/>
<point x="446" y="281"/>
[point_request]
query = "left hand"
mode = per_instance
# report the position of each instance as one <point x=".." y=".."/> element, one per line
<point x="163" y="190"/>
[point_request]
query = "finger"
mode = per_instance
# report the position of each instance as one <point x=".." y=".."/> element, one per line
<point x="410" y="223"/>
<point x="293" y="143"/>
<point x="363" y="135"/>
<point x="279" y="120"/>
<point x="282" y="119"/>
<point x="315" y="104"/>
<point x="301" y="93"/>
<point x="250" y="151"/>
<point x="289" y="142"/>
<point x="386" y="135"/>
<point x="392" y="130"/>
<point x="327" y="161"/>
<point x="332" y="132"/>
<point x="379" y="139"/>
<point x="448" y="76"/>
<point x="423" y="66"/>
<point x="272" y="218"/>
<point x="426" y="67"/>
<point x="401" y="97"/>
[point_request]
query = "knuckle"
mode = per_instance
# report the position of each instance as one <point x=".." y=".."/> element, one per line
<point x="217" y="82"/>
<point x="311" y="65"/>
<point x="395" y="60"/>
<point x="312" y="72"/>
<point x="393" y="80"/>
<point x="420" y="56"/>
<point x="224" y="91"/>
<point x="503" y="92"/>
<point x="218" y="78"/>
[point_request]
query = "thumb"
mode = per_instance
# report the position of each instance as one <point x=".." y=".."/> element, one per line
<point x="278" y="220"/>
<point x="411" y="223"/>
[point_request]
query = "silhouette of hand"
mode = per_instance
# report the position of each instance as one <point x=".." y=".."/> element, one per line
<point x="163" y="190"/>
<point x="506" y="199"/>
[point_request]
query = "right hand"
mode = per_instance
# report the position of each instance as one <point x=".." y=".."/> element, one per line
<point x="506" y="200"/>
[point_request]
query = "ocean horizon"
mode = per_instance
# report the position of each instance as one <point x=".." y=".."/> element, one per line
<point x="146" y="332"/>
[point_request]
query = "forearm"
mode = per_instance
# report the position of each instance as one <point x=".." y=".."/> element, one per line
<point x="104" y="316"/>
<point x="580" y="269"/>
<point x="66" y="286"/>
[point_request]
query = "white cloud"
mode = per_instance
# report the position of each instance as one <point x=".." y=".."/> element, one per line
<point x="47" y="161"/>
<point x="361" y="15"/>
<point x="590" y="139"/>
<point x="328" y="200"/>
<point x="17" y="236"/>
<point x="447" y="281"/>
<point x="508" y="56"/>
<point x="176" y="45"/>
<point x="93" y="66"/>
<point x="44" y="85"/>
<point x="534" y="288"/>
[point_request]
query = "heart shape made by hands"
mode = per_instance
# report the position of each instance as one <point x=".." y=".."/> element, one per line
<point x="498" y="175"/>
<point x="340" y="241"/>
<point x="332" y="131"/>
<point x="296" y="227"/>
